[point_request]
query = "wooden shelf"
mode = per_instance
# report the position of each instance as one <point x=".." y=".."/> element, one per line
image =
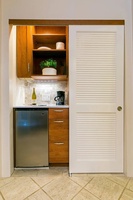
<point x="51" y="52"/>
<point x="49" y="38"/>
<point x="50" y="77"/>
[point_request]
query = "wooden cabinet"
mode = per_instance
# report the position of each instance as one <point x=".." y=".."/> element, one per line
<point x="44" y="41"/>
<point x="38" y="43"/>
<point x="24" y="46"/>
<point x="58" y="136"/>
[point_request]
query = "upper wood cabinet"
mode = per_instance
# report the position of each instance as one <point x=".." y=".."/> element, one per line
<point x="24" y="51"/>
<point x="38" y="43"/>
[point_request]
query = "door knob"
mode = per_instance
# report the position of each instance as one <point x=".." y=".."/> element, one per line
<point x="119" y="108"/>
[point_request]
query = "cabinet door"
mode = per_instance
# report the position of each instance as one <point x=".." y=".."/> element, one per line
<point x="96" y="56"/>
<point x="24" y="51"/>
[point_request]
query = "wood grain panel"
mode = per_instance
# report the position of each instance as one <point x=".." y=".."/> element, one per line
<point x="65" y="22"/>
<point x="58" y="132"/>
<point x="58" y="113"/>
<point x="58" y="153"/>
<point x="21" y="51"/>
<point x="24" y="51"/>
<point x="58" y="136"/>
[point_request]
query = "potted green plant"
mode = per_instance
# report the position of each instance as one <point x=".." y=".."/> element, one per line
<point x="49" y="67"/>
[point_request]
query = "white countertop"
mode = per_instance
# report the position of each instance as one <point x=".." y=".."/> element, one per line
<point x="42" y="106"/>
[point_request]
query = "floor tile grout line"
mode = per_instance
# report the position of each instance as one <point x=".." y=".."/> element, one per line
<point x="112" y="182"/>
<point x="47" y="194"/>
<point x="129" y="190"/>
<point x="119" y="185"/>
<point x="124" y="189"/>
<point x="32" y="194"/>
<point x="88" y="182"/>
<point x="83" y="188"/>
<point x="77" y="194"/>
<point x="74" y="182"/>
<point x="34" y="181"/>
<point x="2" y="196"/>
<point x="6" y="183"/>
<point x="69" y="178"/>
<point x="41" y="187"/>
<point x="115" y="182"/>
<point x="65" y="175"/>
<point x="92" y="194"/>
<point x="44" y="184"/>
<point x="37" y="191"/>
<point x="121" y="193"/>
<point x="78" y="183"/>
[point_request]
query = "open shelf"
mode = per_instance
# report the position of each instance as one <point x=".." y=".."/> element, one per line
<point x="49" y="38"/>
<point x="50" y="77"/>
<point x="39" y="43"/>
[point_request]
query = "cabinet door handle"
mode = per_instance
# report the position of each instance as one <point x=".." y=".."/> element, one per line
<point x="58" y="121"/>
<point x="28" y="67"/>
<point x="59" y="143"/>
<point x="58" y="110"/>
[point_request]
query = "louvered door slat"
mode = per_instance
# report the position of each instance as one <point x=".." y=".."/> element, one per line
<point x="99" y="139"/>
<point x="95" y="82"/>
<point x="96" y="89"/>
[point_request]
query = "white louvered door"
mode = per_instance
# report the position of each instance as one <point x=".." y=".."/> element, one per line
<point x="96" y="63"/>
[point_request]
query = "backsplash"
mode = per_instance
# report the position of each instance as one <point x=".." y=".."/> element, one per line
<point x="43" y="89"/>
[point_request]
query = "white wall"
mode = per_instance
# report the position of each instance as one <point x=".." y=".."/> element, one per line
<point x="4" y="95"/>
<point x="62" y="9"/>
<point x="129" y="94"/>
<point x="0" y="90"/>
<point x="4" y="99"/>
<point x="76" y="9"/>
<point x="13" y="86"/>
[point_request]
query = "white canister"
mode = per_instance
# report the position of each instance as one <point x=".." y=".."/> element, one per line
<point x="60" y="45"/>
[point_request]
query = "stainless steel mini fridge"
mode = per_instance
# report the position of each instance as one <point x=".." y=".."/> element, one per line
<point x="30" y="137"/>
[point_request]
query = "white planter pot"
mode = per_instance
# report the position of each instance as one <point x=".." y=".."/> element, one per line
<point x="49" y="71"/>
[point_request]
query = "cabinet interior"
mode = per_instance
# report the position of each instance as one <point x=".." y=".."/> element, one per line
<point x="38" y="43"/>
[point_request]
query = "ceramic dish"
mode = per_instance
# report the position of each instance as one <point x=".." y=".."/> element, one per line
<point x="44" y="48"/>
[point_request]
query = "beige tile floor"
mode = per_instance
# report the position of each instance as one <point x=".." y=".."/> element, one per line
<point x="55" y="184"/>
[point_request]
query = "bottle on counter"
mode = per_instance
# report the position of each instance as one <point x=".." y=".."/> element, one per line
<point x="34" y="97"/>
